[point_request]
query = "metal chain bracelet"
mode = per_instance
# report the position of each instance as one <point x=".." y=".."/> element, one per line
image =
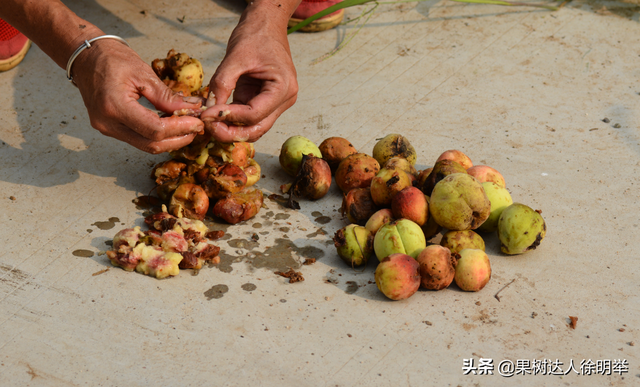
<point x="84" y="46"/>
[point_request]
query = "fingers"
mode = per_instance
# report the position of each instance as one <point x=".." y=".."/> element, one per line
<point x="224" y="127"/>
<point x="224" y="80"/>
<point x="128" y="112"/>
<point x="227" y="132"/>
<point x="166" y="100"/>
<point x="262" y="104"/>
<point x="123" y="133"/>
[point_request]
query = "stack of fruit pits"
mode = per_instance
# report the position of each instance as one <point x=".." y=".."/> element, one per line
<point x="206" y="173"/>
<point x="394" y="211"/>
<point x="169" y="245"/>
<point x="210" y="175"/>
<point x="204" y="177"/>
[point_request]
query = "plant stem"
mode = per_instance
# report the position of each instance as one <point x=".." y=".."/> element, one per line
<point x="353" y="3"/>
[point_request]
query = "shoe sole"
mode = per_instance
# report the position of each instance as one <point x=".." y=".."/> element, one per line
<point x="8" y="64"/>
<point x="318" y="25"/>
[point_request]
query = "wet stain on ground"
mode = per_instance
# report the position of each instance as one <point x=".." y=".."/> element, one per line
<point x="264" y="232"/>
<point x="83" y="253"/>
<point x="257" y="225"/>
<point x="226" y="261"/>
<point x="277" y="257"/>
<point x="282" y="216"/>
<point x="249" y="287"/>
<point x="309" y="252"/>
<point x="216" y="291"/>
<point x="284" y="254"/>
<point x="284" y="229"/>
<point x="319" y="231"/>
<point x="107" y="225"/>
<point x="243" y="244"/>
<point x="268" y="215"/>
<point x="147" y="203"/>
<point x="89" y="230"/>
<point x="316" y="214"/>
<point x="322" y="219"/>
<point x="352" y="287"/>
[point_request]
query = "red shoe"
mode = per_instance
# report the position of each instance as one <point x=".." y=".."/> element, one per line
<point x="13" y="46"/>
<point x="309" y="8"/>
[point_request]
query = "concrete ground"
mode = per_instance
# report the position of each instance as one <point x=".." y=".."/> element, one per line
<point x="550" y="99"/>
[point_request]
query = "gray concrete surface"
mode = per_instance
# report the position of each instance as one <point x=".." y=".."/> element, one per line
<point x="521" y="89"/>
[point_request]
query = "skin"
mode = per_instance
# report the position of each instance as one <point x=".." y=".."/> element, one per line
<point x="112" y="78"/>
<point x="260" y="69"/>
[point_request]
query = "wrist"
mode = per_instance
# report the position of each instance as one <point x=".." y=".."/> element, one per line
<point x="86" y="45"/>
<point x="273" y="11"/>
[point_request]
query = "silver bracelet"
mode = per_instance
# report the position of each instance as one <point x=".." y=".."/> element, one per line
<point x="85" y="45"/>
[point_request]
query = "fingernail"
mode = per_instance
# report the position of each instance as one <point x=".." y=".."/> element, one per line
<point x="211" y="100"/>
<point x="192" y="99"/>
<point x="224" y="113"/>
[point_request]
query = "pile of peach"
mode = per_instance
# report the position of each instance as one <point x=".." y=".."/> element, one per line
<point x="394" y="210"/>
<point x="210" y="177"/>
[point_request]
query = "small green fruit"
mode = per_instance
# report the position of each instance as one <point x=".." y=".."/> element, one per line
<point x="458" y="202"/>
<point x="394" y="145"/>
<point x="456" y="241"/>
<point x="292" y="151"/>
<point x="354" y="244"/>
<point x="500" y="199"/>
<point x="442" y="169"/>
<point x="520" y="229"/>
<point x="400" y="236"/>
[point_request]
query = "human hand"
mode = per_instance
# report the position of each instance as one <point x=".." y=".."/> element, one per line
<point x="259" y="67"/>
<point x="112" y="78"/>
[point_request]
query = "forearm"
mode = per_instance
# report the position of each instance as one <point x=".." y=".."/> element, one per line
<point x="52" y="26"/>
<point x="272" y="12"/>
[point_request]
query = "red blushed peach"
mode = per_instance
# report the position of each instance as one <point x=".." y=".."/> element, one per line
<point x="386" y="184"/>
<point x="379" y="219"/>
<point x="484" y="173"/>
<point x="356" y="171"/>
<point x="410" y="203"/>
<point x="313" y="179"/>
<point x="336" y="149"/>
<point x="473" y="270"/>
<point x="398" y="276"/>
<point x="437" y="267"/>
<point x="457" y="156"/>
<point x="358" y="206"/>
